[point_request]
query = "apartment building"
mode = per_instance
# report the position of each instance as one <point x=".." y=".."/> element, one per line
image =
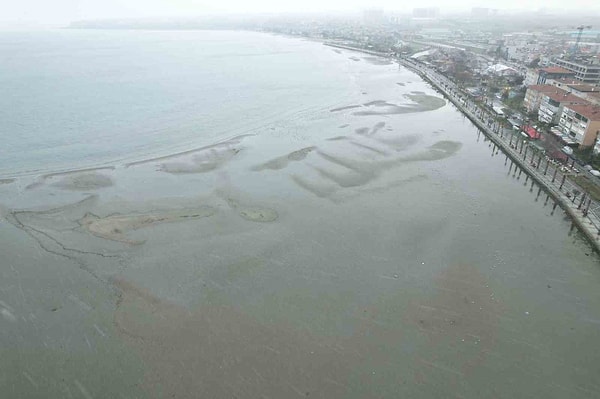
<point x="582" y="123"/>
<point x="553" y="102"/>
<point x="541" y="76"/>
<point x="533" y="96"/>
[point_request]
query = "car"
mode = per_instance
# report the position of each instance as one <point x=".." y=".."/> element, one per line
<point x="595" y="172"/>
<point x="567" y="150"/>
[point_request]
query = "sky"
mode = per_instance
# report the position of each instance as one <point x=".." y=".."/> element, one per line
<point x="57" y="12"/>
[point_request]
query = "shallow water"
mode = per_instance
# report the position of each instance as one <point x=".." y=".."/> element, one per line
<point x="327" y="255"/>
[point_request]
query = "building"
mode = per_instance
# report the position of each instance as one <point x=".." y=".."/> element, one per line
<point x="542" y="76"/>
<point x="582" y="123"/>
<point x="586" y="70"/>
<point x="552" y="104"/>
<point x="589" y="92"/>
<point x="533" y="96"/>
<point x="501" y="70"/>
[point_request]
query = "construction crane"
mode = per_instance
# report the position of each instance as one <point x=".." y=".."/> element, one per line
<point x="576" y="46"/>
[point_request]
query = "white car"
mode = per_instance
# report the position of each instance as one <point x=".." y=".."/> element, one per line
<point x="595" y="172"/>
<point x="567" y="150"/>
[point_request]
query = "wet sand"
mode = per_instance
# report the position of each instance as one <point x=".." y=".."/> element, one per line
<point x="76" y="180"/>
<point x="116" y="227"/>
<point x="236" y="140"/>
<point x="282" y="162"/>
<point x="84" y="182"/>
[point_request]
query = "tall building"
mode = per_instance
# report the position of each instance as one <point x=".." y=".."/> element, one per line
<point x="582" y="123"/>
<point x="586" y="70"/>
<point x="552" y="104"/>
<point x="533" y="96"/>
<point x="542" y="76"/>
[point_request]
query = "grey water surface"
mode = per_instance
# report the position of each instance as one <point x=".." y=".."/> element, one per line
<point x="272" y="218"/>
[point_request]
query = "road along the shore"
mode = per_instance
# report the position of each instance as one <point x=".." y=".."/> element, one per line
<point x="583" y="210"/>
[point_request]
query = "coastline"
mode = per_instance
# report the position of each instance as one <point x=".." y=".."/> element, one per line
<point x="580" y="217"/>
<point x="589" y="228"/>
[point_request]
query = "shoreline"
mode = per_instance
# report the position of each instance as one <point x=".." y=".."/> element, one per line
<point x="127" y="162"/>
<point x="580" y="219"/>
<point x="357" y="49"/>
<point x="112" y="165"/>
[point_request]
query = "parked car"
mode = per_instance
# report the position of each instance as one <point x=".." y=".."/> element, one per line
<point x="567" y="150"/>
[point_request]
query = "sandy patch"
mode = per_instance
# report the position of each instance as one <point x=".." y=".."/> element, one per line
<point x="84" y="182"/>
<point x="116" y="227"/>
<point x="377" y="127"/>
<point x="77" y="180"/>
<point x="205" y="161"/>
<point x="426" y="101"/>
<point x="319" y="189"/>
<point x="6" y="181"/>
<point x="282" y="162"/>
<point x="399" y="143"/>
<point x="369" y="148"/>
<point x="337" y="138"/>
<point x="344" y="108"/>
<point x="378" y="60"/>
<point x="253" y="213"/>
<point x="422" y="103"/>
<point x="226" y="144"/>
<point x="435" y="152"/>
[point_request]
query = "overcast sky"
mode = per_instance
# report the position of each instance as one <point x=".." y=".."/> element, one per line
<point x="45" y="12"/>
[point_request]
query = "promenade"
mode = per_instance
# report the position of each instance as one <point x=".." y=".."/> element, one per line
<point x="550" y="176"/>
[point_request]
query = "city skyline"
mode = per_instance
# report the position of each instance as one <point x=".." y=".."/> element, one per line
<point x="60" y="12"/>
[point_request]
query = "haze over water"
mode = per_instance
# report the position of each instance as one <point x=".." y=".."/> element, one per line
<point x="80" y="98"/>
<point x="339" y="230"/>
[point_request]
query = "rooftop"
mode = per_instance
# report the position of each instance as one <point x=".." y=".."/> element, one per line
<point x="543" y="88"/>
<point x="581" y="61"/>
<point x="567" y="81"/>
<point x="592" y="112"/>
<point x="584" y="88"/>
<point x="563" y="96"/>
<point x="531" y="132"/>
<point x="556" y="69"/>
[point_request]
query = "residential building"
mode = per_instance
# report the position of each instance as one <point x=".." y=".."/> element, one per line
<point x="541" y="76"/>
<point x="563" y="83"/>
<point x="533" y="96"/>
<point x="582" y="123"/>
<point x="586" y="70"/>
<point x="589" y="92"/>
<point x="552" y="104"/>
